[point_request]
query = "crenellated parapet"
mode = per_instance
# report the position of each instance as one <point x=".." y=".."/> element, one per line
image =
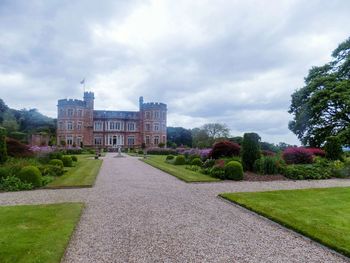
<point x="71" y="102"/>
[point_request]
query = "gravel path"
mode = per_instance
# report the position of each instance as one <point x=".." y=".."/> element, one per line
<point x="136" y="213"/>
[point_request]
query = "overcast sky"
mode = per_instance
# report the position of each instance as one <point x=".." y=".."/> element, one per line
<point x="233" y="62"/>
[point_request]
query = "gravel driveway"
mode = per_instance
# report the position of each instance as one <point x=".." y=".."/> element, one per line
<point x="136" y="213"/>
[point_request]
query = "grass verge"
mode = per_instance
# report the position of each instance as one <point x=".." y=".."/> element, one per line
<point x="83" y="174"/>
<point x="37" y="233"/>
<point x="179" y="171"/>
<point x="320" y="214"/>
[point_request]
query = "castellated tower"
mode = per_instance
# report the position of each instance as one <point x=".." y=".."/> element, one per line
<point x="153" y="121"/>
<point x="75" y="121"/>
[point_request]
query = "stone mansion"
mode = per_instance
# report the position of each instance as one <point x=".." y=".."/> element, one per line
<point x="79" y="124"/>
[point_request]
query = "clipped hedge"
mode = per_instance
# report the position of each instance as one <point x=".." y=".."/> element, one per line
<point x="250" y="150"/>
<point x="30" y="174"/>
<point x="56" y="162"/>
<point x="74" y="158"/>
<point x="55" y="155"/>
<point x="161" y="151"/>
<point x="217" y="171"/>
<point x="170" y="157"/>
<point x="306" y="171"/>
<point x="180" y="160"/>
<point x="197" y="162"/>
<point x="67" y="161"/>
<point x="234" y="171"/>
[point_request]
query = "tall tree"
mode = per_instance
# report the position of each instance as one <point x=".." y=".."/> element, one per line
<point x="179" y="136"/>
<point x="216" y="130"/>
<point x="322" y="107"/>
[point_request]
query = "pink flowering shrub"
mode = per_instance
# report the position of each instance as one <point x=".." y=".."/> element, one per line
<point x="297" y="155"/>
<point x="317" y="152"/>
<point x="267" y="153"/>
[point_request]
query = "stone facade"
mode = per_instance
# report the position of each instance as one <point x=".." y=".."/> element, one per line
<point x="79" y="124"/>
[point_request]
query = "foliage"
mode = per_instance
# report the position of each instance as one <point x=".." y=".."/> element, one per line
<point x="169" y="157"/>
<point x="208" y="163"/>
<point x="250" y="150"/>
<point x="12" y="183"/>
<point x="56" y="162"/>
<point x="224" y="149"/>
<point x="267" y="153"/>
<point x="74" y="150"/>
<point x="234" y="171"/>
<point x="269" y="147"/>
<point x="161" y="151"/>
<point x="3" y="147"/>
<point x="51" y="170"/>
<point x="321" y="108"/>
<point x="236" y="139"/>
<point x="333" y="148"/>
<point x="30" y="174"/>
<point x="67" y="161"/>
<point x="180" y="160"/>
<point x="201" y="153"/>
<point x="306" y="171"/>
<point x="196" y="161"/>
<point x="268" y="165"/>
<point x="5" y="171"/>
<point x="206" y="135"/>
<point x="74" y="158"/>
<point x="161" y="145"/>
<point x="217" y="172"/>
<point x="179" y="136"/>
<point x="17" y="149"/>
<point x="317" y="152"/>
<point x="297" y="155"/>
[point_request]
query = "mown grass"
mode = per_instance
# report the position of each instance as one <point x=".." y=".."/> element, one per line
<point x="83" y="174"/>
<point x="36" y="233"/>
<point x="320" y="214"/>
<point x="179" y="171"/>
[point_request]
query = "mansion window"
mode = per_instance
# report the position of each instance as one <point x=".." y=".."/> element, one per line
<point x="70" y="112"/>
<point x="115" y="140"/>
<point x="79" y="141"/>
<point x="156" y="140"/>
<point x="60" y="125"/>
<point x="156" y="114"/>
<point x="98" y="126"/>
<point x="69" y="125"/>
<point x="115" y="126"/>
<point x="163" y="115"/>
<point x="131" y="126"/>
<point x="156" y="127"/>
<point x="61" y="112"/>
<point x="69" y="140"/>
<point x="131" y="140"/>
<point x="80" y="113"/>
<point x="148" y="115"/>
<point x="148" y="140"/>
<point x="147" y="127"/>
<point x="79" y="125"/>
<point x="98" y="140"/>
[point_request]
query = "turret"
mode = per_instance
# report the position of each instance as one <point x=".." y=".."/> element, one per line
<point x="89" y="99"/>
<point x="140" y="102"/>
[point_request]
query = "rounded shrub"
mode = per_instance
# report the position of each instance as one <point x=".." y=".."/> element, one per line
<point x="224" y="149"/>
<point x="180" y="160"/>
<point x="333" y="148"/>
<point x="140" y="152"/>
<point x="234" y="171"/>
<point x="250" y="150"/>
<point x="30" y="174"/>
<point x="67" y="161"/>
<point x="297" y="155"/>
<point x="51" y="170"/>
<point x="170" y="157"/>
<point x="197" y="162"/>
<point x="74" y="158"/>
<point x="56" y="155"/>
<point x="217" y="171"/>
<point x="56" y="162"/>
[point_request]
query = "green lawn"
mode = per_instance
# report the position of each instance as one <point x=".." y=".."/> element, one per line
<point x="321" y="214"/>
<point x="83" y="174"/>
<point x="178" y="171"/>
<point x="36" y="233"/>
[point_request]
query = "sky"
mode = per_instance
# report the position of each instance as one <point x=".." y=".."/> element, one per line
<point x="227" y="61"/>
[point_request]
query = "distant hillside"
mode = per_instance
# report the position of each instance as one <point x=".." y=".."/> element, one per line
<point x="21" y="123"/>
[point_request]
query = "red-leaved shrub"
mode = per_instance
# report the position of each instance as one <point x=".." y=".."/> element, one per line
<point x="268" y="153"/>
<point x="317" y="152"/>
<point x="224" y="149"/>
<point x="17" y="149"/>
<point x="220" y="163"/>
<point x="297" y="155"/>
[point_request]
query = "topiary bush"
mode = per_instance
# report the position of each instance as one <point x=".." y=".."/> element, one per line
<point x="306" y="171"/>
<point x="56" y="155"/>
<point x="197" y="162"/>
<point x="217" y="172"/>
<point x="170" y="157"/>
<point x="180" y="160"/>
<point x="250" y="150"/>
<point x="30" y="174"/>
<point x="333" y="148"/>
<point x="3" y="147"/>
<point x="224" y="149"/>
<point x="234" y="171"/>
<point x="51" y="170"/>
<point x="297" y="155"/>
<point x="74" y="158"/>
<point x="67" y="161"/>
<point x="5" y="172"/>
<point x="56" y="162"/>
